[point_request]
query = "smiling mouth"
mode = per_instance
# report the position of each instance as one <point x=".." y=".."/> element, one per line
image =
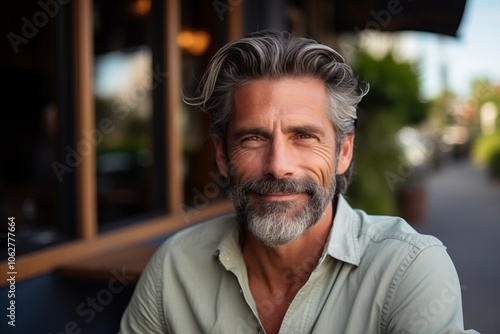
<point x="279" y="196"/>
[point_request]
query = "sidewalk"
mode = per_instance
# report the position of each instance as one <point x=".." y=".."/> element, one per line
<point x="463" y="210"/>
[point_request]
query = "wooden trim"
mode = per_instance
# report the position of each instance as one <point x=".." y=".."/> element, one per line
<point x="85" y="120"/>
<point x="173" y="133"/>
<point x="47" y="260"/>
<point x="131" y="260"/>
<point x="235" y="25"/>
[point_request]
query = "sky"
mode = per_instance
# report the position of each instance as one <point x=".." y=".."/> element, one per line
<point x="475" y="53"/>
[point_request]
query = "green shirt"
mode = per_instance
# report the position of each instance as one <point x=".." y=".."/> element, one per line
<point x="376" y="275"/>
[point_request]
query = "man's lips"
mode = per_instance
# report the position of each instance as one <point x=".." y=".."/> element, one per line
<point x="279" y="196"/>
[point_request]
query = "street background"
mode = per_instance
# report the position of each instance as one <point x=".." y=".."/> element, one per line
<point x="463" y="210"/>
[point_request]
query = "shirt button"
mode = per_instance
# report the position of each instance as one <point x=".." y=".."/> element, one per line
<point x="241" y="291"/>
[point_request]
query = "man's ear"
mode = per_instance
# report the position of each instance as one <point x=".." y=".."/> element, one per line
<point x="345" y="154"/>
<point x="220" y="157"/>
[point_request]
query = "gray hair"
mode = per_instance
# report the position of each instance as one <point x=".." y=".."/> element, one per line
<point x="276" y="55"/>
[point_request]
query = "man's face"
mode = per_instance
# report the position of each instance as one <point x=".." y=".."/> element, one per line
<point x="281" y="157"/>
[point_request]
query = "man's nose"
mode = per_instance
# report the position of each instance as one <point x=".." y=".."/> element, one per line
<point x="279" y="160"/>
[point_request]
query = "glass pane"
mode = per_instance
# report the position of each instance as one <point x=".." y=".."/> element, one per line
<point x="203" y="32"/>
<point x="32" y="172"/>
<point x="123" y="91"/>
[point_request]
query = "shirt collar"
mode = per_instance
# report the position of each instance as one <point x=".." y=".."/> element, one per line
<point x="343" y="241"/>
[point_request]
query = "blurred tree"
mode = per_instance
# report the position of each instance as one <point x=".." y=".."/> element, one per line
<point x="486" y="146"/>
<point x="392" y="102"/>
<point x="394" y="88"/>
<point x="483" y="90"/>
<point x="440" y="110"/>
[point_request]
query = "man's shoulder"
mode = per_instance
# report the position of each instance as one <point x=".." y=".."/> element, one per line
<point x="368" y="230"/>
<point x="389" y="246"/>
<point x="357" y="234"/>
<point x="204" y="235"/>
<point x="393" y="230"/>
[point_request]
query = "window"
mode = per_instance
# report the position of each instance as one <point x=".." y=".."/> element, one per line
<point x="95" y="136"/>
<point x="127" y="74"/>
<point x="205" y="27"/>
<point x="36" y="131"/>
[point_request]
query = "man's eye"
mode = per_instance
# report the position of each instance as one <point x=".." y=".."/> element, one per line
<point x="252" y="139"/>
<point x="253" y="142"/>
<point x="304" y="136"/>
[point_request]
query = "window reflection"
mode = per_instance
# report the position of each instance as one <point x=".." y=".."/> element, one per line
<point x="124" y="160"/>
<point x="202" y="33"/>
<point x="123" y="92"/>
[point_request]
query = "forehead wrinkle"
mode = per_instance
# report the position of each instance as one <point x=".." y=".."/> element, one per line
<point x="268" y="105"/>
<point x="265" y="123"/>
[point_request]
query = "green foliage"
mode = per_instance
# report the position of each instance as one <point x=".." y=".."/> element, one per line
<point x="494" y="165"/>
<point x="439" y="115"/>
<point x="392" y="102"/>
<point x="486" y="148"/>
<point x="486" y="151"/>
<point x="483" y="90"/>
<point x="394" y="87"/>
<point x="376" y="152"/>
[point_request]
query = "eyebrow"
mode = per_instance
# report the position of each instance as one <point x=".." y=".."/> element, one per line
<point x="252" y="131"/>
<point x="311" y="129"/>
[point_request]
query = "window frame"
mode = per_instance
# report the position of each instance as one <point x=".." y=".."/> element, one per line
<point x="89" y="242"/>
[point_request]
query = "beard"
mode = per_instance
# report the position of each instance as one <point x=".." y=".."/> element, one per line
<point x="277" y="223"/>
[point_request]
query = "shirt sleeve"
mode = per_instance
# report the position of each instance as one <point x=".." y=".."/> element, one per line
<point x="144" y="313"/>
<point x="425" y="295"/>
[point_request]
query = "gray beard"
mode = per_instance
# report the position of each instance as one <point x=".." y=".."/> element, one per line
<point x="279" y="223"/>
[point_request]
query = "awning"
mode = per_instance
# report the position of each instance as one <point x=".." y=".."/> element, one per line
<point x="435" y="16"/>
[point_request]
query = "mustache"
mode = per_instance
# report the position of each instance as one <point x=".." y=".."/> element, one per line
<point x="286" y="186"/>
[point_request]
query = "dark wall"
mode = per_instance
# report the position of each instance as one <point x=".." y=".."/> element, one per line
<point x="51" y="304"/>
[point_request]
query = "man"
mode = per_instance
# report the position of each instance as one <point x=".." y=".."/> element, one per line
<point x="296" y="258"/>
